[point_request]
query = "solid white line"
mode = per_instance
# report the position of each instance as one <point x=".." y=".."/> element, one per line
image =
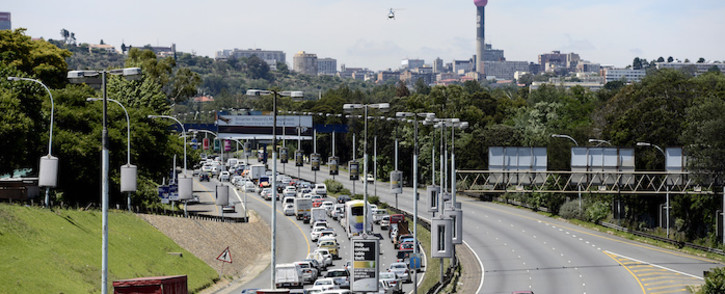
<point x="480" y="286"/>
<point x="659" y="266"/>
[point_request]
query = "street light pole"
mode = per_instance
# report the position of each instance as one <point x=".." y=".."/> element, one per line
<point x="274" y="187"/>
<point x="183" y="131"/>
<point x="128" y="138"/>
<point x="53" y="176"/>
<point x="667" y="187"/>
<point x="74" y="76"/>
<point x="578" y="184"/>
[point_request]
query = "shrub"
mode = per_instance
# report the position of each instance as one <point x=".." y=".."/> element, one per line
<point x="597" y="212"/>
<point x="333" y="186"/>
<point x="345" y="191"/>
<point x="374" y="200"/>
<point x="714" y="282"/>
<point x="570" y="209"/>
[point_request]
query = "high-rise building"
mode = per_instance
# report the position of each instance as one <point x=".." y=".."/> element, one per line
<point x="556" y="61"/>
<point x="327" y="66"/>
<point x="480" y="30"/>
<point x="5" y="21"/>
<point x="305" y="63"/>
<point x="438" y="65"/>
<point x="412" y="63"/>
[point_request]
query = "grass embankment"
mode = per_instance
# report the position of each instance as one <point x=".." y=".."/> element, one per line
<point x="59" y="251"/>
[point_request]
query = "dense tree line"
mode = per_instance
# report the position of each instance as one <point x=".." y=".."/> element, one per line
<point x="667" y="108"/>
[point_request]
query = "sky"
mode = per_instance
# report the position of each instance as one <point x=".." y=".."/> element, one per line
<point x="358" y="33"/>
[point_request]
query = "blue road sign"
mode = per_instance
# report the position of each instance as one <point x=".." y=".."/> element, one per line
<point x="414" y="262"/>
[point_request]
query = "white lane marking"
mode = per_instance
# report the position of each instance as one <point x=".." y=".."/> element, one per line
<point x="655" y="265"/>
<point x="483" y="271"/>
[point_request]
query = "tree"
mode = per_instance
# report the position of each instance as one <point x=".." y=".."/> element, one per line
<point x="701" y="60"/>
<point x="184" y="84"/>
<point x="34" y="58"/>
<point x="402" y="90"/>
<point x="670" y="59"/>
<point x="421" y="87"/>
<point x="102" y="42"/>
<point x="714" y="282"/>
<point x="258" y="68"/>
<point x="637" y="63"/>
<point x="661" y="59"/>
<point x="687" y="60"/>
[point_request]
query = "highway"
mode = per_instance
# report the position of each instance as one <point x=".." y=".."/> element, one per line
<point x="290" y="234"/>
<point x="522" y="250"/>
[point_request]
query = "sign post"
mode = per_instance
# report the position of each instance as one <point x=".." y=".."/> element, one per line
<point x="224" y="257"/>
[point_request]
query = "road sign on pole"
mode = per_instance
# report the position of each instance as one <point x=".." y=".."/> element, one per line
<point x="415" y="261"/>
<point x="226" y="256"/>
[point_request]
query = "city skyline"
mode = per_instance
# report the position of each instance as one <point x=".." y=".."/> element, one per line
<point x="359" y="33"/>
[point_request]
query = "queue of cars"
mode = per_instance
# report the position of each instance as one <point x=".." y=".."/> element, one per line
<point x="309" y="203"/>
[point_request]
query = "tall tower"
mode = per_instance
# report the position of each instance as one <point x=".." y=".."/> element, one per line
<point x="480" y="38"/>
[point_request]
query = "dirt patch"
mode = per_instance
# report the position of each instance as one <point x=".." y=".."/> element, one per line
<point x="248" y="243"/>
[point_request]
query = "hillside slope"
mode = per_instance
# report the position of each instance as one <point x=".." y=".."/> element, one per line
<point x="59" y="251"/>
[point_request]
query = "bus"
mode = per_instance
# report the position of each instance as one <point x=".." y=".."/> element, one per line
<point x="354" y="219"/>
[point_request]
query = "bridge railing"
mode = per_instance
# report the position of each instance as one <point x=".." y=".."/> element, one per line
<point x="595" y="182"/>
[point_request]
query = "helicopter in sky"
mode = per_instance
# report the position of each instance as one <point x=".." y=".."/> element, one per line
<point x="391" y="13"/>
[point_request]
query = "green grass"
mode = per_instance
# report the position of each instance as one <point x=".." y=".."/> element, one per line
<point x="59" y="251"/>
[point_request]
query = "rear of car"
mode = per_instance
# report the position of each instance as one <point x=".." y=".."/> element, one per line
<point x="320" y="189"/>
<point x="288" y="276"/>
<point x="341" y="277"/>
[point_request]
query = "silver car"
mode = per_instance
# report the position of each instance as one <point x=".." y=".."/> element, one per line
<point x="390" y="281"/>
<point x="401" y="271"/>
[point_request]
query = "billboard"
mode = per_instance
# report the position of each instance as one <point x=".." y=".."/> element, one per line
<point x="364" y="275"/>
<point x="283" y="155"/>
<point x="260" y="126"/>
<point x="517" y="165"/>
<point x="315" y="161"/>
<point x="605" y="165"/>
<point x="396" y="182"/>
<point x="333" y="162"/>
<point x="354" y="168"/>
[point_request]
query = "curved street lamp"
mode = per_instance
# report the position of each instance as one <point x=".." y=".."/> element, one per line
<point x="129" y="171"/>
<point x="600" y="142"/>
<point x="48" y="170"/>
<point x="565" y="136"/>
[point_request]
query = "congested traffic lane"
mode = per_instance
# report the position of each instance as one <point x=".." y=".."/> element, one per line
<point x="522" y="250"/>
<point x="291" y="233"/>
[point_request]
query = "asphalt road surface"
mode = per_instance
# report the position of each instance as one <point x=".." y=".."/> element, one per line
<point x="293" y="236"/>
<point x="521" y="250"/>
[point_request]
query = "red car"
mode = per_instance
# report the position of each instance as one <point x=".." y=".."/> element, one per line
<point x="317" y="203"/>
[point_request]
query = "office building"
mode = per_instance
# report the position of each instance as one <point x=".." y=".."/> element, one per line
<point x="624" y="74"/>
<point x="438" y="65"/>
<point x="503" y="69"/>
<point x="695" y="68"/>
<point x="271" y="57"/>
<point x="5" y="23"/>
<point x="327" y="66"/>
<point x="411" y="63"/>
<point x="305" y="63"/>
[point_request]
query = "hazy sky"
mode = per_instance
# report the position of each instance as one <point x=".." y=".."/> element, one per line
<point x="358" y="33"/>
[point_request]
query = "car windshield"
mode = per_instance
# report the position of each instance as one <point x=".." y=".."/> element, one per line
<point x="323" y="282"/>
<point x="397" y="266"/>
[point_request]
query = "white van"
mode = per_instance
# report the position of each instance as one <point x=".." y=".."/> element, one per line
<point x="320" y="189"/>
<point x="288" y="275"/>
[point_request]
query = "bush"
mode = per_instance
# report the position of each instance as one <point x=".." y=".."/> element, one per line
<point x="570" y="209"/>
<point x="597" y="212"/>
<point x="374" y="200"/>
<point x="357" y="197"/>
<point x="333" y="186"/>
<point x="714" y="282"/>
<point x="345" y="191"/>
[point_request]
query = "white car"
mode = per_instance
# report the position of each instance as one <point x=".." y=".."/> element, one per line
<point x="369" y="178"/>
<point x="341" y="277"/>
<point x="325" y="254"/>
<point x="319" y="257"/>
<point x="401" y="271"/>
<point x="391" y="281"/>
<point x="249" y="186"/>
<point x="327" y="205"/>
<point x="289" y="209"/>
<point x="224" y="176"/>
<point x="315" y="234"/>
<point x="325" y="284"/>
<point x="309" y="272"/>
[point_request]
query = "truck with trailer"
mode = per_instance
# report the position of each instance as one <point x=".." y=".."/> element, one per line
<point x="257" y="171"/>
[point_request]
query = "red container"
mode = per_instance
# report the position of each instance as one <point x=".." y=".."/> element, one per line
<point x="152" y="285"/>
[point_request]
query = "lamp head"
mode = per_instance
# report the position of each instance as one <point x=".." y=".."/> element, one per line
<point x="643" y="144"/>
<point x="464" y="125"/>
<point x="13" y="79"/>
